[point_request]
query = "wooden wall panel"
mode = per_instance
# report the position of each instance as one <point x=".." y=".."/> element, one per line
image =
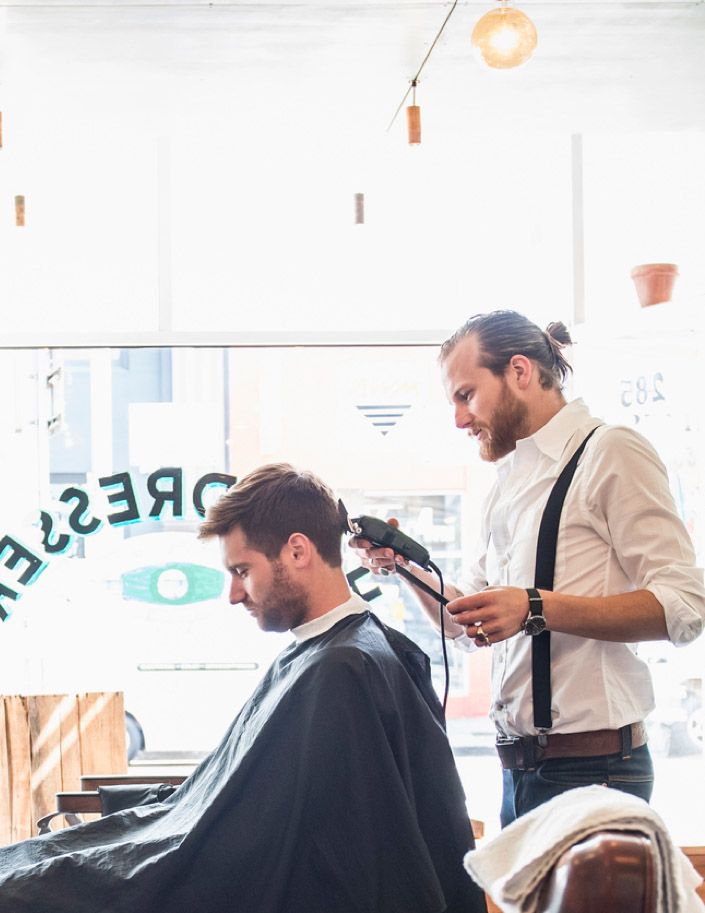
<point x="15" y="789"/>
<point x="70" y="729"/>
<point x="46" y="743"/>
<point x="102" y="733"/>
<point x="44" y="717"/>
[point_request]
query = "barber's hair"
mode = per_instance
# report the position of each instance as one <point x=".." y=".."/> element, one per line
<point x="503" y="334"/>
<point x="273" y="502"/>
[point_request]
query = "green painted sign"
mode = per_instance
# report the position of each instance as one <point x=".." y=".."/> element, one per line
<point x="178" y="583"/>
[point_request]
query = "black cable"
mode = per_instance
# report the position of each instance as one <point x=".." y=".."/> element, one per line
<point x="422" y="585"/>
<point x="441" y="611"/>
<point x="443" y="602"/>
<point x="415" y="80"/>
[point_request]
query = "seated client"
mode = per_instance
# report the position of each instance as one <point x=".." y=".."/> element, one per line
<point x="334" y="789"/>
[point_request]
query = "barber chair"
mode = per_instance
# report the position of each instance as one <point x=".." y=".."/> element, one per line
<point x="609" y="872"/>
<point x="612" y="872"/>
<point x="94" y="797"/>
<point x="91" y="798"/>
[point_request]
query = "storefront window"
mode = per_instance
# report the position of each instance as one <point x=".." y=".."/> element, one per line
<point x="109" y="454"/>
<point x="129" y="443"/>
<point x="642" y="377"/>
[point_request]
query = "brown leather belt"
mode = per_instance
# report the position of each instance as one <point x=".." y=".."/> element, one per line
<point x="525" y="752"/>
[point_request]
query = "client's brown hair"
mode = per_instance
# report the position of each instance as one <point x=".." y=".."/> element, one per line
<point x="273" y="502"/>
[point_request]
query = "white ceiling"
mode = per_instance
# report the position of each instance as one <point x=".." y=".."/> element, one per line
<point x="345" y="64"/>
<point x="159" y="142"/>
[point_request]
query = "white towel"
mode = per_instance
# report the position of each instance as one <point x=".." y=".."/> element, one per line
<point x="512" y="867"/>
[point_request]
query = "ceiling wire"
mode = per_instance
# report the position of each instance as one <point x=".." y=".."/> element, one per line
<point x="415" y="80"/>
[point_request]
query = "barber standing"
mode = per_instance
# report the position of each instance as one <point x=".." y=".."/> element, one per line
<point x="582" y="555"/>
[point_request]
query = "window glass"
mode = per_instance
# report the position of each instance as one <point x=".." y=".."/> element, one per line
<point x="120" y="448"/>
<point x="643" y="378"/>
<point x="127" y="445"/>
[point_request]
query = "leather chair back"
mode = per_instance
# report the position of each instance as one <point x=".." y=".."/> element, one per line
<point x="612" y="872"/>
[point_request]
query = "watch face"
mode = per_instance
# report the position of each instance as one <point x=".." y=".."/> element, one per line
<point x="535" y="624"/>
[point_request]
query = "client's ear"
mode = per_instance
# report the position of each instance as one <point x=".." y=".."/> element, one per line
<point x="299" y="550"/>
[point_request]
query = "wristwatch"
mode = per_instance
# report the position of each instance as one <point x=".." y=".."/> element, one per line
<point x="534" y="623"/>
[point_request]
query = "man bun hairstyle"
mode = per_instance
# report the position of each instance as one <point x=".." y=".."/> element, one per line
<point x="503" y="334"/>
<point x="271" y="503"/>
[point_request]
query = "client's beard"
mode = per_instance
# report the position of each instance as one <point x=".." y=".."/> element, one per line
<point x="286" y="604"/>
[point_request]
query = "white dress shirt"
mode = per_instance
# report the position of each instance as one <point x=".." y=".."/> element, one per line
<point x="619" y="531"/>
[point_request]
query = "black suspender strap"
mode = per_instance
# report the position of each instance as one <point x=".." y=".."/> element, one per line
<point x="543" y="580"/>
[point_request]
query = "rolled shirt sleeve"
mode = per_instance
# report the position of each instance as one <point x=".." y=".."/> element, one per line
<point x="629" y="502"/>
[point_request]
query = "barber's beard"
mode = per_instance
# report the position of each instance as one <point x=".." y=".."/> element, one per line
<point x="509" y="423"/>
<point x="285" y="605"/>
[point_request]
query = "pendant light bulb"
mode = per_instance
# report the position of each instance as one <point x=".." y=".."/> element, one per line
<point x="504" y="37"/>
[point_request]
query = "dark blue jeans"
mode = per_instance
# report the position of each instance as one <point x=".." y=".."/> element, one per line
<point x="523" y="790"/>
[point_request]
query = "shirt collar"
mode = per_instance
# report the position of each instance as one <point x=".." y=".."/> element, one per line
<point x="551" y="439"/>
<point x="353" y="606"/>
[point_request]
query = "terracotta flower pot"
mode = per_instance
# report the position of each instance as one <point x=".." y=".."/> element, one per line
<point x="654" y="282"/>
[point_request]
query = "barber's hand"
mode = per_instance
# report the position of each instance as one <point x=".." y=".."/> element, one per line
<point x="375" y="559"/>
<point x="492" y="615"/>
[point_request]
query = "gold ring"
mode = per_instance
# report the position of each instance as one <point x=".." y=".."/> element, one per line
<point x="480" y="635"/>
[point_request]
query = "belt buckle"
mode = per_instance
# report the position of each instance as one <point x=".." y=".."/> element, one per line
<point x="509" y="751"/>
<point x="520" y="752"/>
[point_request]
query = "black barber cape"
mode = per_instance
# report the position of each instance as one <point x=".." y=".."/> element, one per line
<point x="333" y="791"/>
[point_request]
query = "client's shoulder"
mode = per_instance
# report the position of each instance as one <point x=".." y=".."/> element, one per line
<point x="356" y="640"/>
<point x="363" y="642"/>
<point x="376" y="663"/>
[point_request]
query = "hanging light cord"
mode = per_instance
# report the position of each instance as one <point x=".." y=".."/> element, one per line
<point x="415" y="80"/>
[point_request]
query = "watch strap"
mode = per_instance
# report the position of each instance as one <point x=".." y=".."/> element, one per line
<point x="535" y="603"/>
